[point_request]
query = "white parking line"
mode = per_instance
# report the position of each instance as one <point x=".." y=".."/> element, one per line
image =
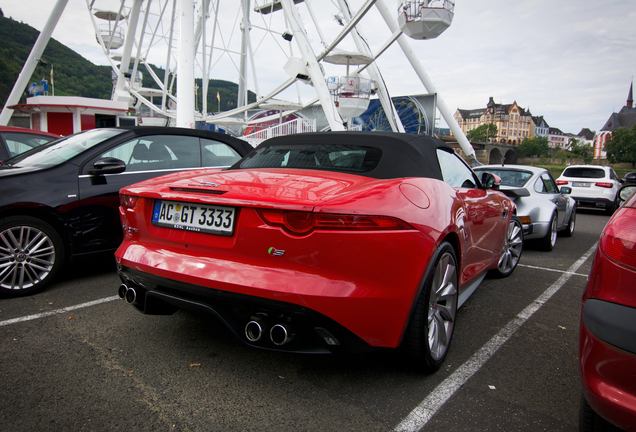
<point x="552" y="270"/>
<point x="419" y="417"/>
<point x="57" y="311"/>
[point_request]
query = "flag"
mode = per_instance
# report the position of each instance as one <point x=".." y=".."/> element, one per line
<point x="51" y="75"/>
<point x="218" y="96"/>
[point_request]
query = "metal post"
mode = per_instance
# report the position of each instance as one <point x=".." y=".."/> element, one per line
<point x="185" y="68"/>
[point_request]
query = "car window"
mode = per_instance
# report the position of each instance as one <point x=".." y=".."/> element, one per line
<point x="584" y="172"/>
<point x="18" y="142"/>
<point x="215" y="153"/>
<point x="613" y="175"/>
<point x="508" y="177"/>
<point x="332" y="157"/>
<point x="545" y="184"/>
<point x="454" y="170"/>
<point x="156" y="152"/>
<point x="59" y="151"/>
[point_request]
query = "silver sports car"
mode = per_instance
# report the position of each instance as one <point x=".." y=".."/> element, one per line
<point x="543" y="208"/>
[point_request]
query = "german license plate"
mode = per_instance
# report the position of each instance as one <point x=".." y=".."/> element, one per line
<point x="194" y="217"/>
<point x="581" y="184"/>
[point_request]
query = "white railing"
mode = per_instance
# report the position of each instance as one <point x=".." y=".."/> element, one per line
<point x="298" y="125"/>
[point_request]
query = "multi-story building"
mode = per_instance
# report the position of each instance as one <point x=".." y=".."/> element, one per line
<point x="558" y="139"/>
<point x="626" y="118"/>
<point x="513" y="122"/>
<point x="541" y="127"/>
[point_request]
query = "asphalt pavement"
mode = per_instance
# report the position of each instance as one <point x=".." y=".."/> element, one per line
<point x="75" y="358"/>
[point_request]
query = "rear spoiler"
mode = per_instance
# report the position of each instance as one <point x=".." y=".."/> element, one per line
<point x="513" y="192"/>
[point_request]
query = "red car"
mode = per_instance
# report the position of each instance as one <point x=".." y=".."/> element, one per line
<point x="322" y="242"/>
<point x="16" y="140"/>
<point x="607" y="338"/>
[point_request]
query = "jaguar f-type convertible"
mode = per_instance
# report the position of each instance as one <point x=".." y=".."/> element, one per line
<point x="322" y="242"/>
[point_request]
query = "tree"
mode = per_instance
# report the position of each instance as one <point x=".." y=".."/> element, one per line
<point x="534" y="146"/>
<point x="579" y="148"/>
<point x="621" y="147"/>
<point x="483" y="132"/>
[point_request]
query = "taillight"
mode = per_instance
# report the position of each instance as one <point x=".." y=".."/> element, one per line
<point x="618" y="240"/>
<point x="303" y="223"/>
<point x="604" y="185"/>
<point x="561" y="182"/>
<point x="128" y="201"/>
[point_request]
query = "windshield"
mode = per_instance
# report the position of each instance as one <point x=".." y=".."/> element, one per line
<point x="63" y="149"/>
<point x="510" y="177"/>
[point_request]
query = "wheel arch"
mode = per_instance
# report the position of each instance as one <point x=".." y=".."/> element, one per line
<point x="453" y="239"/>
<point x="47" y="215"/>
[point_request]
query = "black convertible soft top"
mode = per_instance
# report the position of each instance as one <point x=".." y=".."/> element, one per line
<point x="388" y="154"/>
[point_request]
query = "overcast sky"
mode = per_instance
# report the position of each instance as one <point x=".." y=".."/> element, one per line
<point x="571" y="61"/>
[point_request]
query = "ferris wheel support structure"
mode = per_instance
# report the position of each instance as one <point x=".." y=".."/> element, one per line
<point x="185" y="67"/>
<point x="421" y="73"/>
<point x="316" y="74"/>
<point x="374" y="73"/>
<point x="32" y="61"/>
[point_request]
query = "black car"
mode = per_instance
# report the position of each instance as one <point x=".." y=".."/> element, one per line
<point x="61" y="199"/>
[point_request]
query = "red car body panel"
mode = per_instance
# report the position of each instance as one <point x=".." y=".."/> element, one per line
<point x="349" y="277"/>
<point x="607" y="339"/>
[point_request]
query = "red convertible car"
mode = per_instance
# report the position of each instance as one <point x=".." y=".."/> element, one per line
<point x="322" y="242"/>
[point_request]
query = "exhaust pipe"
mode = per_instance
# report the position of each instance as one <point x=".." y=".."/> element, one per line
<point x="127" y="293"/>
<point x="131" y="296"/>
<point x="122" y="291"/>
<point x="254" y="330"/>
<point x="280" y="334"/>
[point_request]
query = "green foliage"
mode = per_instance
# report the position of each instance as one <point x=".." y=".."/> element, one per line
<point x="483" y="132"/>
<point x="621" y="147"/>
<point x="72" y="74"/>
<point x="534" y="146"/>
<point x="580" y="148"/>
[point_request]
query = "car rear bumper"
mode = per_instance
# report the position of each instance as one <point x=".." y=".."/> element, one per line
<point x="607" y="352"/>
<point x="582" y="201"/>
<point x="251" y="319"/>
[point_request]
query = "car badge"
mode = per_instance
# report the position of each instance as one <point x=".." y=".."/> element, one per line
<point x="205" y="183"/>
<point x="275" y="252"/>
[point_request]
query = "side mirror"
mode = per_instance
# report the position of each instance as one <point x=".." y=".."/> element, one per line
<point x="625" y="192"/>
<point x="566" y="190"/>
<point x="108" y="166"/>
<point x="490" y="181"/>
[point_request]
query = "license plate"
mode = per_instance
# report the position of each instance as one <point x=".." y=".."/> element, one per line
<point x="581" y="184"/>
<point x="194" y="217"/>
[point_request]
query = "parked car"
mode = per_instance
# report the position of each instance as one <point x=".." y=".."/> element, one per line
<point x="61" y="199"/>
<point x="542" y="207"/>
<point x="323" y="241"/>
<point x="630" y="177"/>
<point x="607" y="335"/>
<point x="16" y="140"/>
<point x="593" y="186"/>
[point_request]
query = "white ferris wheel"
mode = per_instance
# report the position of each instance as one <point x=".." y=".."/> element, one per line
<point x="293" y="54"/>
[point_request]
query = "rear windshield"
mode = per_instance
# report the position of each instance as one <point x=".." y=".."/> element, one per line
<point x="584" y="172"/>
<point x="509" y="177"/>
<point x="330" y="157"/>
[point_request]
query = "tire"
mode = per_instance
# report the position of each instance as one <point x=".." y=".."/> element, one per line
<point x="569" y="230"/>
<point x="590" y="421"/>
<point x="430" y="331"/>
<point x="31" y="253"/>
<point x="610" y="209"/>
<point x="512" y="249"/>
<point x="547" y="243"/>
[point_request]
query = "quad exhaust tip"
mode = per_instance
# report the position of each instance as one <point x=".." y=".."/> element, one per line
<point x="280" y="334"/>
<point x="127" y="293"/>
